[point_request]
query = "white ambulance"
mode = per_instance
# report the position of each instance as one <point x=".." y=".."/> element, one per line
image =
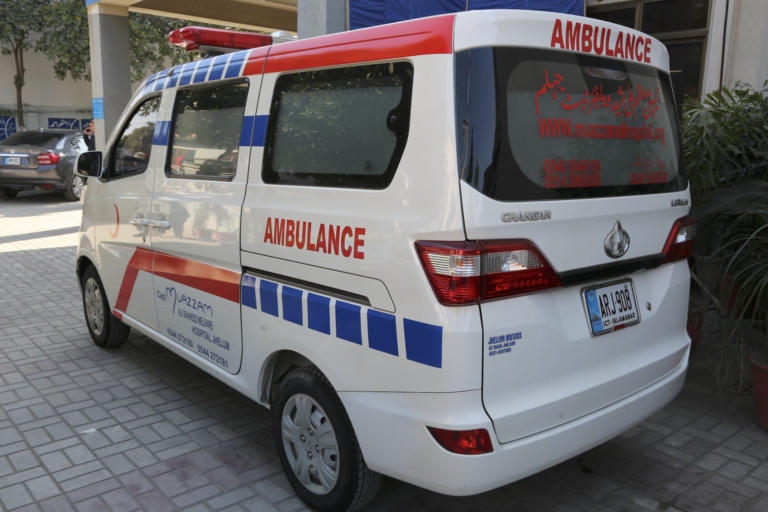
<point x="451" y="250"/>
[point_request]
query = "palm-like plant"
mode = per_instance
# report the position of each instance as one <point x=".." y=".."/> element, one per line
<point x="742" y="211"/>
<point x="725" y="144"/>
<point x="725" y="138"/>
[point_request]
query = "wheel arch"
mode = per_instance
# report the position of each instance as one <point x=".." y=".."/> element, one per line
<point x="82" y="264"/>
<point x="276" y="367"/>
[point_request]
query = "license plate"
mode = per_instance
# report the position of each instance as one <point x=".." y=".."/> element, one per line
<point x="12" y="160"/>
<point x="611" y="307"/>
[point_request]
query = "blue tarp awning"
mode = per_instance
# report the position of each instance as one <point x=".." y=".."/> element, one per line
<point x="367" y="13"/>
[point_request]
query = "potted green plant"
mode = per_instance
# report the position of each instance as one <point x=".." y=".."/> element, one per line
<point x="744" y="283"/>
<point x="725" y="144"/>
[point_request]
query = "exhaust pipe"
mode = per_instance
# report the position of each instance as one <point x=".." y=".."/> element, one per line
<point x="36" y="188"/>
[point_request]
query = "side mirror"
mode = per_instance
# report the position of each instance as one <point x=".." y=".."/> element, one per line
<point x="89" y="164"/>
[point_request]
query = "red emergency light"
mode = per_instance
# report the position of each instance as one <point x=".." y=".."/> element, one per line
<point x="195" y="38"/>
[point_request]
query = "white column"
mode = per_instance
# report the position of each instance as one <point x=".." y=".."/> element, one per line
<point x="746" y="58"/>
<point x="110" y="66"/>
<point x="320" y="17"/>
<point x="717" y="60"/>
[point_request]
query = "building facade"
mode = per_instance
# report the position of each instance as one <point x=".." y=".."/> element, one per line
<point x="711" y="43"/>
<point x="48" y="102"/>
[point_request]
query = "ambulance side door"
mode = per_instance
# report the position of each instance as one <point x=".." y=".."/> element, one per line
<point x="197" y="207"/>
<point x="124" y="198"/>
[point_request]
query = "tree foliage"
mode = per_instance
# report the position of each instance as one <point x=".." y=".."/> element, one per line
<point x="19" y="20"/>
<point x="64" y="40"/>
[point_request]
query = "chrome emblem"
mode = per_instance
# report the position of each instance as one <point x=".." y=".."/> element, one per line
<point x="617" y="242"/>
<point x="526" y="216"/>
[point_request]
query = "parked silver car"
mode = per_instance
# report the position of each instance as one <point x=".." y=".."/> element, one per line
<point x="41" y="159"/>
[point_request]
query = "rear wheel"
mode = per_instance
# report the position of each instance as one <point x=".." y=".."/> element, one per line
<point x="106" y="330"/>
<point x="317" y="445"/>
<point x="74" y="188"/>
<point x="8" y="193"/>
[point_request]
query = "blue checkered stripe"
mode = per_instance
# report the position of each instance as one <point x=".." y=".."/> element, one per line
<point x="423" y="342"/>
<point x="228" y="65"/>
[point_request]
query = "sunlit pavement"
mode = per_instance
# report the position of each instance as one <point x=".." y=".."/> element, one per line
<point x="139" y="428"/>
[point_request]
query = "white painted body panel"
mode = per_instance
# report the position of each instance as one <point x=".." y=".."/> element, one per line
<point x="534" y="29"/>
<point x="421" y="203"/>
<point x="111" y="245"/>
<point x="553" y="370"/>
<point x="204" y="220"/>
<point x="557" y="372"/>
<point x="357" y="365"/>
<point x="400" y="360"/>
<point x="373" y="289"/>
<point x="390" y="428"/>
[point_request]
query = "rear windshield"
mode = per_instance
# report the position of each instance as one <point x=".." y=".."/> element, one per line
<point x="539" y="125"/>
<point x="33" y="139"/>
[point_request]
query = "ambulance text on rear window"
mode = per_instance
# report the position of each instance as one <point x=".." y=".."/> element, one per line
<point x="344" y="127"/>
<point x="539" y="125"/>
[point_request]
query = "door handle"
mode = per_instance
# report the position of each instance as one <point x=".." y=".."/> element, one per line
<point x="160" y="224"/>
<point x="139" y="221"/>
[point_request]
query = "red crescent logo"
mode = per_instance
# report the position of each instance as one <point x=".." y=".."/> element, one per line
<point x="117" y="224"/>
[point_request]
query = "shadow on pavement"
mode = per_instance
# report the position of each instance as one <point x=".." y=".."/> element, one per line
<point x="43" y="203"/>
<point x="39" y="234"/>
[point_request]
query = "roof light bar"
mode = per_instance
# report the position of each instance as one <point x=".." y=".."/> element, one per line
<point x="195" y="38"/>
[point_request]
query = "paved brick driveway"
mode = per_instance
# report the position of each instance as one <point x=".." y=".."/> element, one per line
<point x="139" y="428"/>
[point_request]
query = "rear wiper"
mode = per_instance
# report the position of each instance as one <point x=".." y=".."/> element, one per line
<point x="610" y="74"/>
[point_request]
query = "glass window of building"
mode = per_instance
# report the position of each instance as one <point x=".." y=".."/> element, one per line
<point x="682" y="25"/>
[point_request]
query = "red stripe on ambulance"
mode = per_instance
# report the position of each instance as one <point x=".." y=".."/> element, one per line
<point x="325" y="238"/>
<point x="425" y="36"/>
<point x="256" y="59"/>
<point x="583" y="37"/>
<point x="200" y="276"/>
<point x="142" y="259"/>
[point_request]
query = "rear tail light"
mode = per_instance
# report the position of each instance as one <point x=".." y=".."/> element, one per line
<point x="679" y="245"/>
<point x="48" y="158"/>
<point x="463" y="442"/>
<point x="466" y="272"/>
<point x="192" y="38"/>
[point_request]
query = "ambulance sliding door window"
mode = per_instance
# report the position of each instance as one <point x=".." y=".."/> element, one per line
<point x="205" y="131"/>
<point x="343" y="127"/>
<point x="134" y="147"/>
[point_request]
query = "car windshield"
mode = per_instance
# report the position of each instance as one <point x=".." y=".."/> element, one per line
<point x="33" y="139"/>
<point x="544" y="125"/>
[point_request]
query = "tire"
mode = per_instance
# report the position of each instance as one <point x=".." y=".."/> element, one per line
<point x="8" y="193"/>
<point x="74" y="190"/>
<point x="307" y="389"/>
<point x="106" y="330"/>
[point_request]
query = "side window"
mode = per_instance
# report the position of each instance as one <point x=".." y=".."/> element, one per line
<point x="344" y="127"/>
<point x="205" y="136"/>
<point x="133" y="148"/>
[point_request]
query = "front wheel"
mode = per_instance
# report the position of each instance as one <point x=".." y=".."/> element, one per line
<point x="74" y="188"/>
<point x="317" y="445"/>
<point x="106" y="330"/>
<point x="8" y="193"/>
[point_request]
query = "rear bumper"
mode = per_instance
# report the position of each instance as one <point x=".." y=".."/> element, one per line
<point x="29" y="178"/>
<point x="391" y="430"/>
